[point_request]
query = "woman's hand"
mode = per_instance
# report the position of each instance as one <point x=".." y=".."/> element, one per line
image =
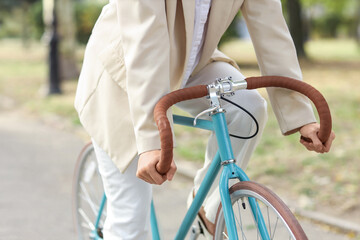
<point x="147" y="168"/>
<point x="311" y="131"/>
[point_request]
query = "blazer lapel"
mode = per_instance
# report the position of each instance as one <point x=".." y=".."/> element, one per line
<point x="217" y="21"/>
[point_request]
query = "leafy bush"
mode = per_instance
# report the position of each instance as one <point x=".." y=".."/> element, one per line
<point x="12" y="23"/>
<point x="36" y="20"/>
<point x="86" y="14"/>
<point x="232" y="31"/>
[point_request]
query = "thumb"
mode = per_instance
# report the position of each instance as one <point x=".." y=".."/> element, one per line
<point x="170" y="174"/>
<point x="318" y="145"/>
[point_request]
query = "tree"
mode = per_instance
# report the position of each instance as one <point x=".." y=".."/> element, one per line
<point x="295" y="20"/>
<point x="329" y="16"/>
<point x="357" y="24"/>
<point x="9" y="5"/>
<point x="323" y="17"/>
<point x="67" y="33"/>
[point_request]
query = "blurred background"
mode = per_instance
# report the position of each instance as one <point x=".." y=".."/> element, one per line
<point x="41" y="51"/>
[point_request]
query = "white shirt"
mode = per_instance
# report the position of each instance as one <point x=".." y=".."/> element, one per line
<point x="202" y="8"/>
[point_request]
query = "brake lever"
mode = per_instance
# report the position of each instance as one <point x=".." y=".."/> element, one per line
<point x="210" y="110"/>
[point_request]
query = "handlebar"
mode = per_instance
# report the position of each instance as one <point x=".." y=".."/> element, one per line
<point x="172" y="98"/>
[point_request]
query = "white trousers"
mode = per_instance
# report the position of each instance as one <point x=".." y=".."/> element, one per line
<point x="128" y="205"/>
<point x="128" y="200"/>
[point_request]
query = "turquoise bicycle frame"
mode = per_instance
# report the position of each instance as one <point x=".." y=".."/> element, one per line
<point x="230" y="170"/>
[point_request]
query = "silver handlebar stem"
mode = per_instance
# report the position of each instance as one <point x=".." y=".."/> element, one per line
<point x="221" y="87"/>
<point x="225" y="86"/>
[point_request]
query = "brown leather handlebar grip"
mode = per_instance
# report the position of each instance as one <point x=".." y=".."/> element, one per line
<point x="252" y="83"/>
<point x="314" y="95"/>
<point x="163" y="123"/>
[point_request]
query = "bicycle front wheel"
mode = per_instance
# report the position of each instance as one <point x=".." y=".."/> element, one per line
<point x="279" y="221"/>
<point x="88" y="196"/>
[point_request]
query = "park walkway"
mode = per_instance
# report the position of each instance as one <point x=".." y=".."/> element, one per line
<point x="37" y="161"/>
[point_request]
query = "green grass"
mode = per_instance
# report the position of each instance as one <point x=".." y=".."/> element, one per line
<point x="312" y="180"/>
<point x="328" y="50"/>
<point x="334" y="49"/>
<point x="23" y="77"/>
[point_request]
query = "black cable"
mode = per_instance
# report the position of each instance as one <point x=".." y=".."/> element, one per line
<point x="246" y="111"/>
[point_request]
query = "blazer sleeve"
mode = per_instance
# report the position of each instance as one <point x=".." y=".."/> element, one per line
<point x="276" y="55"/>
<point x="145" y="43"/>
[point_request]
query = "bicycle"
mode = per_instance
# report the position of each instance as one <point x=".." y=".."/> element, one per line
<point x="247" y="209"/>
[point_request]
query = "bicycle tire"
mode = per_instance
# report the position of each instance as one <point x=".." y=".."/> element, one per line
<point x="268" y="201"/>
<point x="87" y="195"/>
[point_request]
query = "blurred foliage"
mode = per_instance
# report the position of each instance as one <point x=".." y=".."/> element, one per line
<point x="86" y="14"/>
<point x="36" y="20"/>
<point x="13" y="16"/>
<point x="10" y="4"/>
<point x="232" y="31"/>
<point x="329" y="18"/>
<point x="9" y="27"/>
<point x="323" y="18"/>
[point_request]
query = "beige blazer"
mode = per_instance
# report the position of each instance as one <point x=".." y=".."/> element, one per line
<point x="138" y="52"/>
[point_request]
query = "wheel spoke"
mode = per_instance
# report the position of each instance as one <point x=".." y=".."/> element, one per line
<point x="89" y="193"/>
<point x="270" y="212"/>
<point x="86" y="218"/>
<point x="88" y="199"/>
<point x="277" y="220"/>
<point x="269" y="222"/>
<point x="86" y="225"/>
<point x="240" y="223"/>
<point x="257" y="219"/>
<point x="94" y="193"/>
<point x="89" y="171"/>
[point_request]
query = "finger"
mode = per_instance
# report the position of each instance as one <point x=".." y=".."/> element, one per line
<point x="152" y="179"/>
<point x="148" y="180"/>
<point x="156" y="177"/>
<point x="316" y="145"/>
<point x="308" y="145"/>
<point x="329" y="142"/>
<point x="170" y="174"/>
<point x="143" y="176"/>
<point x="311" y="147"/>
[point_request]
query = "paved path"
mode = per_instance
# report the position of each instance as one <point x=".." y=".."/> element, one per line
<point x="36" y="171"/>
<point x="37" y="164"/>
